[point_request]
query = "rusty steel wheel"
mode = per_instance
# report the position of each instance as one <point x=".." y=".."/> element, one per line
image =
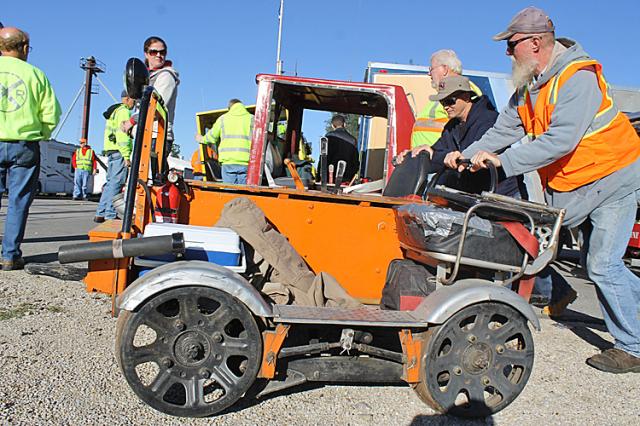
<point x="477" y="362"/>
<point x="190" y="351"/>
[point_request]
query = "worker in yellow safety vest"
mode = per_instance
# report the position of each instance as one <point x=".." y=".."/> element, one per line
<point x="29" y="111"/>
<point x="84" y="164"/>
<point x="430" y="122"/>
<point x="231" y="133"/>
<point x="117" y="148"/>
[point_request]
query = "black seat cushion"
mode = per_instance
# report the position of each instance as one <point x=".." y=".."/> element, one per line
<point x="408" y="177"/>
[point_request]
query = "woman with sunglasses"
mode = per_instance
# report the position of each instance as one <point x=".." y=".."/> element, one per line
<point x="164" y="78"/>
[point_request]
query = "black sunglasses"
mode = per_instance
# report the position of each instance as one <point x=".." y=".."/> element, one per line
<point x="448" y="101"/>
<point x="511" y="45"/>
<point x="154" y="52"/>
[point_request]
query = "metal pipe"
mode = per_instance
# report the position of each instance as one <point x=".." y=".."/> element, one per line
<point x="127" y="219"/>
<point x="307" y="349"/>
<point x="119" y="249"/>
<point x="90" y="65"/>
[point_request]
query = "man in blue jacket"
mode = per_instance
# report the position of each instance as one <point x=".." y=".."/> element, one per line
<point x="470" y="116"/>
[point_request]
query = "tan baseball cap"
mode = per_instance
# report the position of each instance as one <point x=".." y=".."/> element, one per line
<point x="450" y="85"/>
<point x="528" y="21"/>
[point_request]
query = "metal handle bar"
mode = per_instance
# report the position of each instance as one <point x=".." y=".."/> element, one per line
<point x="465" y="225"/>
<point x="493" y="171"/>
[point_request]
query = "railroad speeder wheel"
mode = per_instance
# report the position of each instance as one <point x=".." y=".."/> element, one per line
<point x="477" y="362"/>
<point x="190" y="351"/>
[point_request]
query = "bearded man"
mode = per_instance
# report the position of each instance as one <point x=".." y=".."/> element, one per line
<point x="586" y="153"/>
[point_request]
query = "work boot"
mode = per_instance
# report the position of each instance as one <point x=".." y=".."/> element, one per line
<point x="615" y="361"/>
<point x="556" y="309"/>
<point x="98" y="219"/>
<point x="12" y="265"/>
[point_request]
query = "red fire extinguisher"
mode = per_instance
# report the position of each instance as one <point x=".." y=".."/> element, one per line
<point x="168" y="201"/>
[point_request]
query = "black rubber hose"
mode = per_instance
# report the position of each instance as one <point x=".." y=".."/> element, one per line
<point x="118" y="249"/>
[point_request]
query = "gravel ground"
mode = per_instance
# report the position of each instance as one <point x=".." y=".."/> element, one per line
<point x="57" y="366"/>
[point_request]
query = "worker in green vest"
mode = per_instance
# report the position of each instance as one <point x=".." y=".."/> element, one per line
<point x="232" y="134"/>
<point x="117" y="147"/>
<point x="430" y="122"/>
<point x="84" y="164"/>
<point x="29" y="111"/>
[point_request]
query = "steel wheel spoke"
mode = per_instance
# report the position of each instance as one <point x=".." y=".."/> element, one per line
<point x="194" y="392"/>
<point x="234" y="346"/>
<point x="442" y="363"/>
<point x="514" y="357"/>
<point x="501" y="383"/>
<point x="476" y="391"/>
<point x="158" y="322"/>
<point x="144" y="354"/>
<point x="161" y="384"/>
<point x="481" y="323"/>
<point x="504" y="332"/>
<point x="223" y="376"/>
<point x="454" y="387"/>
<point x="189" y="310"/>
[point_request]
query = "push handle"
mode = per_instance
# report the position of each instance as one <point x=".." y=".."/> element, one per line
<point x="493" y="172"/>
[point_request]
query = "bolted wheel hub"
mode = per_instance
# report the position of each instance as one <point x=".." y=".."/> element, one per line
<point x="477" y="358"/>
<point x="477" y="362"/>
<point x="189" y="351"/>
<point x="191" y="348"/>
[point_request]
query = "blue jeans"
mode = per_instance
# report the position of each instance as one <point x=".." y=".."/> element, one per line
<point x="551" y="284"/>
<point x="80" y="179"/>
<point x="19" y="170"/>
<point x="234" y="173"/>
<point x="116" y="177"/>
<point x="605" y="236"/>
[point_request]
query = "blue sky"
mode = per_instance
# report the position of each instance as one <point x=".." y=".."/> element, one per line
<point x="219" y="46"/>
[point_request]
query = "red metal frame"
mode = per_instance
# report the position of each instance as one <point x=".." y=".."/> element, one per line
<point x="400" y="116"/>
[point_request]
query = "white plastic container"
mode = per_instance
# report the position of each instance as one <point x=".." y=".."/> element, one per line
<point x="212" y="244"/>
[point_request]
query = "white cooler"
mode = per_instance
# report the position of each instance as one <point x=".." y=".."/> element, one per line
<point x="217" y="245"/>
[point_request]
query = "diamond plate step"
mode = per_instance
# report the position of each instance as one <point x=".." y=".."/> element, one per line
<point x="344" y="316"/>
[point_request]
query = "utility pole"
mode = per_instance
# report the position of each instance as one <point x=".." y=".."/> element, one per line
<point x="91" y="67"/>
<point x="278" y="61"/>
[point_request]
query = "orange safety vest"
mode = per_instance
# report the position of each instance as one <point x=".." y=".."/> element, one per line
<point x="609" y="144"/>
<point x="197" y="163"/>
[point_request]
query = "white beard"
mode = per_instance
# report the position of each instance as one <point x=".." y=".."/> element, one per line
<point x="522" y="73"/>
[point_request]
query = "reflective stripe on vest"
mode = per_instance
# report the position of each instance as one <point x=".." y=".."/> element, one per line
<point x="609" y="144"/>
<point x="84" y="162"/>
<point x="235" y="147"/>
<point x="430" y="123"/>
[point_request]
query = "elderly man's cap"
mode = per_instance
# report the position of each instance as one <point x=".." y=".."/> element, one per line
<point x="124" y="94"/>
<point x="528" y="21"/>
<point x="450" y="85"/>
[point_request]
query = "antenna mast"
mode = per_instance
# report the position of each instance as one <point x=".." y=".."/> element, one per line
<point x="278" y="61"/>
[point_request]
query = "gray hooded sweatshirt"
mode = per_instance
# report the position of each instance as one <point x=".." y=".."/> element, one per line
<point x="577" y="104"/>
<point x="165" y="80"/>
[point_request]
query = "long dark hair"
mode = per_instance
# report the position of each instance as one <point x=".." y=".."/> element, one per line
<point x="149" y="41"/>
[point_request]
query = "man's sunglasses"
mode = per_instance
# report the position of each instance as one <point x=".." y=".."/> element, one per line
<point x="155" y="52"/>
<point x="448" y="101"/>
<point x="511" y="44"/>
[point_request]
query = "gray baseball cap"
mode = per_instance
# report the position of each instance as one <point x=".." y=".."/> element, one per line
<point x="450" y="85"/>
<point x="530" y="20"/>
